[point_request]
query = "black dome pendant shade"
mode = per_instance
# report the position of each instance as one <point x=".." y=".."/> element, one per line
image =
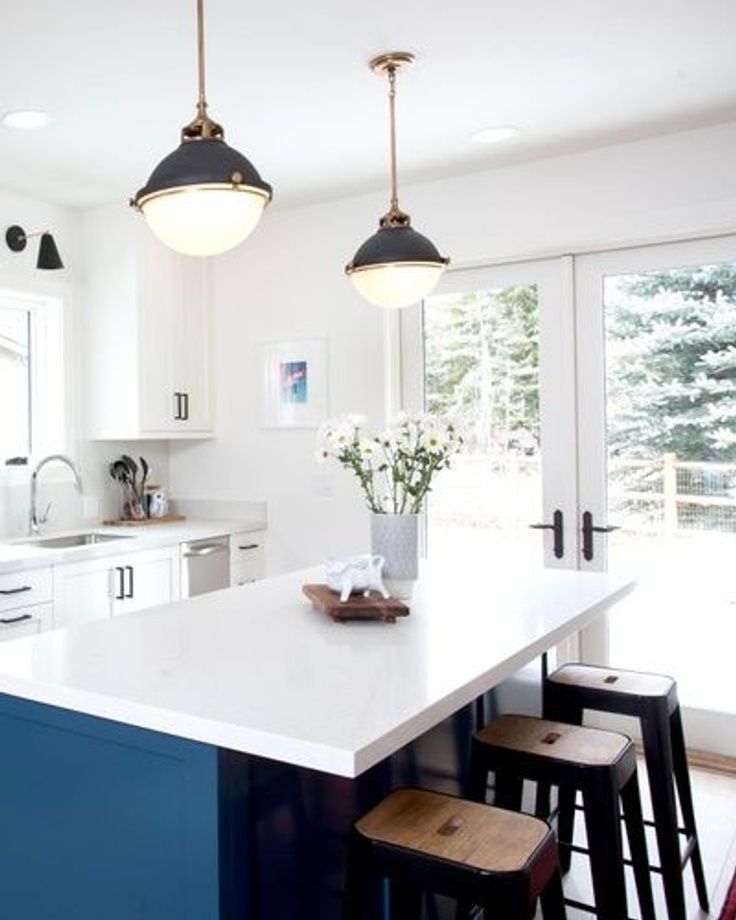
<point x="397" y="266"/>
<point x="233" y="194"/>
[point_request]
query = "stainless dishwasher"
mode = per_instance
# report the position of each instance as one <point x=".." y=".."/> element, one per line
<point x="205" y="566"/>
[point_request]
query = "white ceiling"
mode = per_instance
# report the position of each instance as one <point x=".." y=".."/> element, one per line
<point x="289" y="82"/>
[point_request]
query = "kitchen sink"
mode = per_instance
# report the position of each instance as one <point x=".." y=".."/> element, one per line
<point x="77" y="539"/>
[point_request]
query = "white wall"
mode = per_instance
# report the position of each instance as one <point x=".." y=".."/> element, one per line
<point x="287" y="282"/>
<point x="18" y="273"/>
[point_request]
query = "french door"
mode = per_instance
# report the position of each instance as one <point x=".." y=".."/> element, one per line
<point x="493" y="349"/>
<point x="598" y="394"/>
<point x="656" y="365"/>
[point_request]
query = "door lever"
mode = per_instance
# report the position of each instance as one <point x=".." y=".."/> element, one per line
<point x="558" y="547"/>
<point x="588" y="530"/>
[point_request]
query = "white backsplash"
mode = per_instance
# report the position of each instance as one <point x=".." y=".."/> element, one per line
<point x="56" y="486"/>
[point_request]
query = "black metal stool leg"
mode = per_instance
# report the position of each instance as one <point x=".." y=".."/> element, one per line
<point x="631" y="801"/>
<point x="565" y="826"/>
<point x="682" y="777"/>
<point x="552" y="899"/>
<point x="356" y="880"/>
<point x="603" y="826"/>
<point x="476" y="786"/>
<point x="509" y="790"/>
<point x="658" y="754"/>
<point x="405" y="900"/>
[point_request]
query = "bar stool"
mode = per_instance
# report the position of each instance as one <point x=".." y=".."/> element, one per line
<point x="601" y="765"/>
<point x="652" y="698"/>
<point x="424" y="840"/>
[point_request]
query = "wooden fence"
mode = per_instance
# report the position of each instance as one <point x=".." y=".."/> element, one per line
<point x="662" y="486"/>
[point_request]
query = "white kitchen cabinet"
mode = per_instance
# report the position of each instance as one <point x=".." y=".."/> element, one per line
<point x="82" y="592"/>
<point x="99" y="588"/>
<point x="247" y="557"/>
<point x="25" y="588"/>
<point x="143" y="580"/>
<point x="147" y="333"/>
<point x="25" y="621"/>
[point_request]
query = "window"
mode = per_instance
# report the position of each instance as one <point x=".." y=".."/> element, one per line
<point x="31" y="376"/>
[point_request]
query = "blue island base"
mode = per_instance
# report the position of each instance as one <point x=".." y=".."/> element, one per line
<point x="103" y="821"/>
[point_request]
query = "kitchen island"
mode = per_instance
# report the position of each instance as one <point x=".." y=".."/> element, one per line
<point x="204" y="760"/>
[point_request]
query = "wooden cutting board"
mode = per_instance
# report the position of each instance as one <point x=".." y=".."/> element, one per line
<point x="146" y="522"/>
<point x="356" y="607"/>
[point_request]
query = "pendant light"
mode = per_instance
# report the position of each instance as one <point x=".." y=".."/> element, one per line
<point x="397" y="266"/>
<point x="205" y="197"/>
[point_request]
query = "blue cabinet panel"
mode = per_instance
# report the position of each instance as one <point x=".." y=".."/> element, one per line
<point x="101" y="820"/>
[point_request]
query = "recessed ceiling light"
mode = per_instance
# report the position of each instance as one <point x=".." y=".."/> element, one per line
<point x="497" y="134"/>
<point x="26" y="119"/>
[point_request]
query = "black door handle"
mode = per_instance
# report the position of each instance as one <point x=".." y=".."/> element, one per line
<point x="558" y="546"/>
<point x="121" y="583"/>
<point x="185" y="416"/>
<point x="129" y="570"/>
<point x="588" y="530"/>
<point x="20" y="590"/>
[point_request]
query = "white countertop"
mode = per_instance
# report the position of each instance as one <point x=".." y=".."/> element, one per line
<point x="18" y="555"/>
<point x="257" y="670"/>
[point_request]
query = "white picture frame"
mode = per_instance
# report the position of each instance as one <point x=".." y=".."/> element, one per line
<point x="294" y="383"/>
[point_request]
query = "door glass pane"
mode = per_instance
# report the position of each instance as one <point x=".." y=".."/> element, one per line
<point x="482" y="371"/>
<point x="671" y="425"/>
<point x="15" y="406"/>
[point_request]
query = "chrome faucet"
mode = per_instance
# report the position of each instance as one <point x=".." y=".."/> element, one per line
<point x="38" y="520"/>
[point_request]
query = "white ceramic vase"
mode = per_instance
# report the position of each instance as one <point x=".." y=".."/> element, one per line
<point x="396" y="538"/>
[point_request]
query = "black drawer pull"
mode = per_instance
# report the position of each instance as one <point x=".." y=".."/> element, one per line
<point x="18" y="619"/>
<point x="22" y="590"/>
<point x="249" y="546"/>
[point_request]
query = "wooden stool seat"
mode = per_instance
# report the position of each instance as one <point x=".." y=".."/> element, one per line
<point x="600" y="765"/>
<point x="557" y="740"/>
<point x="652" y="699"/>
<point x="477" y="854"/>
<point x="486" y="838"/>
<point x="612" y="680"/>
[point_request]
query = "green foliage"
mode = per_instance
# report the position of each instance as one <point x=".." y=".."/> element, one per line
<point x="671" y="363"/>
<point x="482" y="361"/>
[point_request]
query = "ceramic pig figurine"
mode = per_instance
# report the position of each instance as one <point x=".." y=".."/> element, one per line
<point x="359" y="573"/>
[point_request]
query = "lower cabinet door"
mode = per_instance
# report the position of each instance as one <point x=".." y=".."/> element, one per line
<point x="25" y="621"/>
<point x="82" y="592"/>
<point x="145" y="580"/>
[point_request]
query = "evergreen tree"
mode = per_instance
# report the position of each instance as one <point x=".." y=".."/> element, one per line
<point x="671" y="363"/>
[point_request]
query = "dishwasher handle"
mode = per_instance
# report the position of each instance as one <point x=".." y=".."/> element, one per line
<point x="206" y="550"/>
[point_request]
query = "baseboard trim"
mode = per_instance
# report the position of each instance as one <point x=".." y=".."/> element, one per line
<point x="704" y="760"/>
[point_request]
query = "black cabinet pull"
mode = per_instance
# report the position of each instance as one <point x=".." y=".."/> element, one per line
<point x="129" y="570"/>
<point x="558" y="547"/>
<point x="588" y="530"/>
<point x="121" y="583"/>
<point x="18" y="619"/>
<point x="20" y="590"/>
<point x="185" y="417"/>
<point x="177" y="412"/>
<point x="249" y="546"/>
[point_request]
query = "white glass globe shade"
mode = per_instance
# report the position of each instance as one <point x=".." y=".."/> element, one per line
<point x="204" y="221"/>
<point x="397" y="284"/>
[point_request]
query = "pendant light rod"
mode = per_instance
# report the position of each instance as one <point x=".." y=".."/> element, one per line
<point x="392" y="122"/>
<point x="389" y="65"/>
<point x="202" y="103"/>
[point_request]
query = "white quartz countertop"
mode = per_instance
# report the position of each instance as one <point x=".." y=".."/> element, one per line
<point x="256" y="669"/>
<point x="22" y="554"/>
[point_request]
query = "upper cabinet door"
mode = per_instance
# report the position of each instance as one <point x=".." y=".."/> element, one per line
<point x="191" y="357"/>
<point x="159" y="296"/>
<point x="147" y="333"/>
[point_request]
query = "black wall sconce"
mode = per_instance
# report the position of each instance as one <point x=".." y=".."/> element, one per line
<point x="48" y="255"/>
